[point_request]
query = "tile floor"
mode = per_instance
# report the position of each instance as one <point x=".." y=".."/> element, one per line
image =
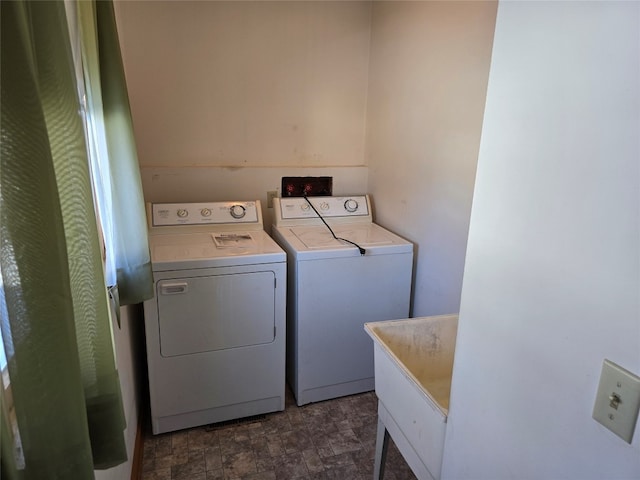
<point x="334" y="440"/>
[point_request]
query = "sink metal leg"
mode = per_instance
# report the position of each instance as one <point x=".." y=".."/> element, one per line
<point x="382" y="442"/>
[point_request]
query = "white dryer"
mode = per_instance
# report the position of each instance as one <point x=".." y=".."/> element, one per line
<point x="333" y="290"/>
<point x="215" y="329"/>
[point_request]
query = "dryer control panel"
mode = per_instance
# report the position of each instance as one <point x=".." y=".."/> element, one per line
<point x="208" y="213"/>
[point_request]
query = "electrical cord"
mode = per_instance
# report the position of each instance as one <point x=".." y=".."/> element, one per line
<point x="362" y="250"/>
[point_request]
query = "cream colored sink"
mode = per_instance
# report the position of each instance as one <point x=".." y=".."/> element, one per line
<point x="413" y="367"/>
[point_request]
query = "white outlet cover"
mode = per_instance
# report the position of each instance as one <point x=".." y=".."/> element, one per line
<point x="615" y="380"/>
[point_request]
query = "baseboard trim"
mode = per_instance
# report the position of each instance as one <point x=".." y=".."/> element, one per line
<point x="138" y="449"/>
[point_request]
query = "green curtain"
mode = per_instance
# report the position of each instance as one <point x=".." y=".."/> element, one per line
<point x="109" y="104"/>
<point x="68" y="417"/>
<point x="133" y="261"/>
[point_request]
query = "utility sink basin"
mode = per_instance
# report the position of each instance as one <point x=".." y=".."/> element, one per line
<point x="413" y="366"/>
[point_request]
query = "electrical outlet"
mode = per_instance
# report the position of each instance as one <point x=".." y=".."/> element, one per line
<point x="617" y="400"/>
<point x="271" y="194"/>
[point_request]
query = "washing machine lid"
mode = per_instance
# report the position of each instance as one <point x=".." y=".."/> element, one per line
<point x="315" y="241"/>
<point x="176" y="251"/>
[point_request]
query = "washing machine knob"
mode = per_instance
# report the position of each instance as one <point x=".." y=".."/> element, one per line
<point x="351" y="205"/>
<point x="182" y="213"/>
<point x="205" y="212"/>
<point x="324" y="206"/>
<point x="237" y="211"/>
<point x="305" y="207"/>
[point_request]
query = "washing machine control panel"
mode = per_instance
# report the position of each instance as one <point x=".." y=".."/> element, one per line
<point x="330" y="207"/>
<point x="210" y="213"/>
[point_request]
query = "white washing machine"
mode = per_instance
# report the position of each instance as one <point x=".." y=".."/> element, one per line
<point x="333" y="290"/>
<point x="215" y="329"/>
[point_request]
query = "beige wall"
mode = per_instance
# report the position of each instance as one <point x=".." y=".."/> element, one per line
<point x="247" y="83"/>
<point x="427" y="86"/>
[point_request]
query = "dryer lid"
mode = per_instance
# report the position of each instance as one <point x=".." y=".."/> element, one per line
<point x="205" y="250"/>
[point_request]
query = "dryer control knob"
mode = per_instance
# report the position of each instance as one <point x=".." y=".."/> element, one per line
<point x="182" y="213"/>
<point x="351" y="205"/>
<point x="305" y="207"/>
<point x="237" y="211"/>
<point x="205" y="212"/>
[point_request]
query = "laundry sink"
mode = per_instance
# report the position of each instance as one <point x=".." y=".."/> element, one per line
<point x="413" y="366"/>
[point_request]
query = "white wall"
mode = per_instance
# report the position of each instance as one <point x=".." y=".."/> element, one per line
<point x="128" y="340"/>
<point x="552" y="276"/>
<point x="428" y="79"/>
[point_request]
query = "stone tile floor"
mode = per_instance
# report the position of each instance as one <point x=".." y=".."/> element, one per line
<point x="331" y="440"/>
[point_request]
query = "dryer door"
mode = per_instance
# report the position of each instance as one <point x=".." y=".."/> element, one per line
<point x="201" y="314"/>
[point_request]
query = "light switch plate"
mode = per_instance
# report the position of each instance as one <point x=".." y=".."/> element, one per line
<point x="617" y="400"/>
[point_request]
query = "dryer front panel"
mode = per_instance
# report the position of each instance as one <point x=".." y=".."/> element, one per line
<point x="216" y="312"/>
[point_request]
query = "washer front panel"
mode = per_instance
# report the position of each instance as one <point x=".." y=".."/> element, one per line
<point x="332" y="290"/>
